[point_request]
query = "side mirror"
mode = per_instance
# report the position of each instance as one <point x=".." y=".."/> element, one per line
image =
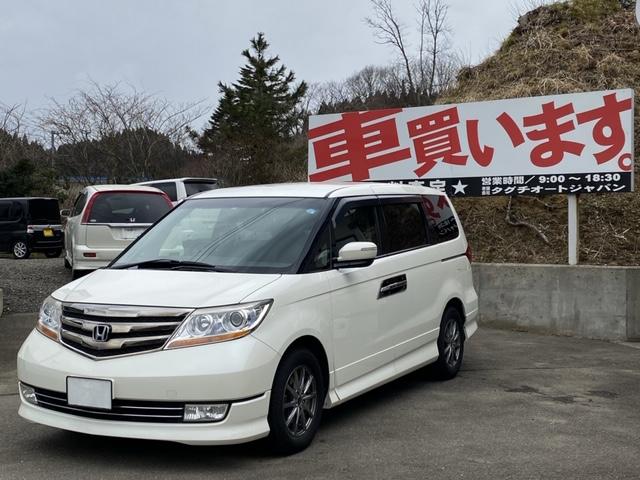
<point x="65" y="212"/>
<point x="356" y="254"/>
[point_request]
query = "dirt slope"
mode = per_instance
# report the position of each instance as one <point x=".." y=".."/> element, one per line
<point x="557" y="49"/>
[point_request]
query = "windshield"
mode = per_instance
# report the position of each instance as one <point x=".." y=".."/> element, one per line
<point x="46" y="211"/>
<point x="254" y="235"/>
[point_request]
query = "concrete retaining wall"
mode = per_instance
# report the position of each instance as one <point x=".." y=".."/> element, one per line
<point x="584" y="301"/>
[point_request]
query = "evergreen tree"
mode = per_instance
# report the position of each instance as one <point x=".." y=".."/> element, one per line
<point x="255" y="116"/>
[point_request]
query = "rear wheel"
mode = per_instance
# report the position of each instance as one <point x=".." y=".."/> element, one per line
<point x="53" y="253"/>
<point x="296" y="402"/>
<point x="450" y="344"/>
<point x="20" y="250"/>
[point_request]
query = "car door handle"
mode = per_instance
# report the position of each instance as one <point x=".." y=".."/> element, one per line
<point x="393" y="285"/>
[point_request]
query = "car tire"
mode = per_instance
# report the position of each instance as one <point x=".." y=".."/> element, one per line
<point x="53" y="253"/>
<point x="450" y="345"/>
<point x="67" y="265"/>
<point x="20" y="250"/>
<point x="297" y="399"/>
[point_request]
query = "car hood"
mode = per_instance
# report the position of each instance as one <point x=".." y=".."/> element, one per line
<point x="163" y="288"/>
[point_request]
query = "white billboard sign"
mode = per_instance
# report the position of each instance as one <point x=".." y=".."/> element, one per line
<point x="571" y="144"/>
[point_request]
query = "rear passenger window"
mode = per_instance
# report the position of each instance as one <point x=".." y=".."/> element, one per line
<point x="355" y="224"/>
<point x="440" y="219"/>
<point x="405" y="227"/>
<point x="5" y="208"/>
<point x="167" y="187"/>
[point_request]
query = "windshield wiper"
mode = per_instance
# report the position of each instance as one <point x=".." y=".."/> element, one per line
<point x="171" y="264"/>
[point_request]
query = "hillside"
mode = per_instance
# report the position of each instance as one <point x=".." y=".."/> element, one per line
<point x="562" y="48"/>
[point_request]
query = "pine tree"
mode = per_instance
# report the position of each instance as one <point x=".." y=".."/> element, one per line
<point x="255" y="115"/>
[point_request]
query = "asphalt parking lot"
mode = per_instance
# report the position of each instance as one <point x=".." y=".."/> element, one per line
<point x="524" y="406"/>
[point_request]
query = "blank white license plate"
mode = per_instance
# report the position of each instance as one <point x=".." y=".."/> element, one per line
<point x="89" y="392"/>
<point x="131" y="233"/>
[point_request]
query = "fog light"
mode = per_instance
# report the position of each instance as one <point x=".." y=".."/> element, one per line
<point x="213" y="412"/>
<point x="28" y="393"/>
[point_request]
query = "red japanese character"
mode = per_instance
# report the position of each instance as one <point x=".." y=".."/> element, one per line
<point x="356" y="143"/>
<point x="552" y="150"/>
<point x="435" y="137"/>
<point x="482" y="155"/>
<point x="608" y="118"/>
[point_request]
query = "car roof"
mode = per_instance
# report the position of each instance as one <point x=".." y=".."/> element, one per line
<point x="183" y="179"/>
<point x="319" y="190"/>
<point x="120" y="188"/>
<point x="28" y="198"/>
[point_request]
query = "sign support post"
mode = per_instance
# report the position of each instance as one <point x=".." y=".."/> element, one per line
<point x="573" y="228"/>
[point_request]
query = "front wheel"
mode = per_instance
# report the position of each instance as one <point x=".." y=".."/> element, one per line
<point x="450" y="344"/>
<point x="20" y="250"/>
<point x="296" y="403"/>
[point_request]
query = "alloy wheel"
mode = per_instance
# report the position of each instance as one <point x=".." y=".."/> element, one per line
<point x="452" y="343"/>
<point x="300" y="400"/>
<point x="20" y="249"/>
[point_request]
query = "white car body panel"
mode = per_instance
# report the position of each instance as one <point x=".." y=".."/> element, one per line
<point x="367" y="340"/>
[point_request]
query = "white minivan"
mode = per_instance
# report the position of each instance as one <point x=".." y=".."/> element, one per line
<point x="246" y="311"/>
<point x="105" y="219"/>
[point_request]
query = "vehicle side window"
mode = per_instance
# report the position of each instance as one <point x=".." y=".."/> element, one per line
<point x="405" y="226"/>
<point x="320" y="255"/>
<point x="16" y="211"/>
<point x="193" y="187"/>
<point x="440" y="219"/>
<point x="5" y="209"/>
<point x="167" y="187"/>
<point x="78" y="206"/>
<point x="355" y="224"/>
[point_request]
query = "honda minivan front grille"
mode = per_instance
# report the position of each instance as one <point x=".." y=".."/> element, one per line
<point x="102" y="331"/>
<point x="123" y="410"/>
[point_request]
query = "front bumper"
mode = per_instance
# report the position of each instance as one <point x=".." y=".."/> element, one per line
<point x="239" y="372"/>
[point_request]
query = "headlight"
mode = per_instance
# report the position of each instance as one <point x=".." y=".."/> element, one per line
<point x="49" y="318"/>
<point x="212" y="325"/>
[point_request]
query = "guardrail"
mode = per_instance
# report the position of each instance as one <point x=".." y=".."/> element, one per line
<point x="584" y="301"/>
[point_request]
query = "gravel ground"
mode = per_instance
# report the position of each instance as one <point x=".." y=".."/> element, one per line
<point x="26" y="283"/>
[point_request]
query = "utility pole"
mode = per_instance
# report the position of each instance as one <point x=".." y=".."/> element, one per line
<point x="53" y="134"/>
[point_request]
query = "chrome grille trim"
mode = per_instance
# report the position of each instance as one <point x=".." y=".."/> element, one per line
<point x="132" y="329"/>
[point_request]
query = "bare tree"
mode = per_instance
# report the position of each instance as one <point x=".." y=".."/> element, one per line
<point x="116" y="131"/>
<point x="433" y="29"/>
<point x="389" y="30"/>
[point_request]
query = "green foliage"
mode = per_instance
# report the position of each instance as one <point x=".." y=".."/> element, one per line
<point x="592" y="10"/>
<point x="255" y="119"/>
<point x="24" y="179"/>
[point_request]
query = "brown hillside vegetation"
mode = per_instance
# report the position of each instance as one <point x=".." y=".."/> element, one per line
<point x="572" y="47"/>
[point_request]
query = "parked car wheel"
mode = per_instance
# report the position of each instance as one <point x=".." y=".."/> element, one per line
<point x="297" y="398"/>
<point x="53" y="253"/>
<point x="67" y="265"/>
<point x="20" y="250"/>
<point x="450" y="344"/>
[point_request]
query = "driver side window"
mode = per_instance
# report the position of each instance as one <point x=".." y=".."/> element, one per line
<point x="355" y="223"/>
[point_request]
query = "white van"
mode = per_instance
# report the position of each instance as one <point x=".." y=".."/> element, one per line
<point x="246" y="311"/>
<point x="177" y="189"/>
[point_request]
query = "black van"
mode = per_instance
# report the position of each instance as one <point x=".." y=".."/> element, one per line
<point x="30" y="225"/>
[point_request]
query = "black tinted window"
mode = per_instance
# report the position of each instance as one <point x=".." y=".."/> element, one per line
<point x="5" y="208"/>
<point x="81" y="201"/>
<point x="169" y="188"/>
<point x="128" y="208"/>
<point x="355" y="224"/>
<point x="442" y="224"/>
<point x="405" y="228"/>
<point x="196" y="187"/>
<point x="44" y="211"/>
<point x="16" y="211"/>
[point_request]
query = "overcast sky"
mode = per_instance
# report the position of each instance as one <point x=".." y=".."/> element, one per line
<point x="180" y="49"/>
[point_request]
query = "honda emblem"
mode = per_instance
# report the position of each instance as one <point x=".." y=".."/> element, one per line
<point x="101" y="332"/>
